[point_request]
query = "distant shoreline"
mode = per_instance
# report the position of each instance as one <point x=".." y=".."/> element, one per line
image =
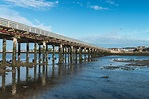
<point x="131" y="54"/>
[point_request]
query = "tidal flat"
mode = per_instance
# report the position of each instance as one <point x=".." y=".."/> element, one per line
<point x="89" y="80"/>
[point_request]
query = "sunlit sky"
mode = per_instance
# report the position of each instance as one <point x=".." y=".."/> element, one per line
<point x="106" y="23"/>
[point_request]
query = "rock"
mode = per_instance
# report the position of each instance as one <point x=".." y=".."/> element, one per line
<point x="104" y="76"/>
<point x="111" y="67"/>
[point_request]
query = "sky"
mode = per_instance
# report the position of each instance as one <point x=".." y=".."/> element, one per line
<point x="105" y="23"/>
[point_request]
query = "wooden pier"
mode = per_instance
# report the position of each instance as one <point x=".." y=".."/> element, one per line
<point x="20" y="33"/>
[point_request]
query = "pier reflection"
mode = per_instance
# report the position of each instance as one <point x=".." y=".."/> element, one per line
<point x="48" y="75"/>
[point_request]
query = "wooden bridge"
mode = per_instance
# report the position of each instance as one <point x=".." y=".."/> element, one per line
<point x="20" y="33"/>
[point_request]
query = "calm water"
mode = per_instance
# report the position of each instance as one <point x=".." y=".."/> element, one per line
<point x="82" y="81"/>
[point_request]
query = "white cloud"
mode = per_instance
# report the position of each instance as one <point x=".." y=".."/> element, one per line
<point x="32" y="3"/>
<point x="111" y="2"/>
<point x="7" y="13"/>
<point x="96" y="7"/>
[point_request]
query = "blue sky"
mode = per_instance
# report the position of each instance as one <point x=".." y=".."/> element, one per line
<point x="106" y="23"/>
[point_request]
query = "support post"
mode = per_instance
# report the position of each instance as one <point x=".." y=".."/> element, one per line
<point x="19" y="58"/>
<point x="43" y="52"/>
<point x="80" y="55"/>
<point x="3" y="81"/>
<point x="35" y="52"/>
<point x="39" y="58"/>
<point x="85" y="54"/>
<point x="4" y="51"/>
<point x="88" y="54"/>
<point x="71" y="52"/>
<point x="76" y="55"/>
<point x="27" y="52"/>
<point x="65" y="53"/>
<point x="47" y="52"/>
<point x="60" y="54"/>
<point x="68" y="54"/>
<point x="27" y="60"/>
<point x="53" y="53"/>
<point x="14" y="51"/>
<point x="13" y="66"/>
<point x="35" y="60"/>
<point x="19" y="52"/>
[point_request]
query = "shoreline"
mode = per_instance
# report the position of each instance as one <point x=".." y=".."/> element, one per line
<point x="131" y="54"/>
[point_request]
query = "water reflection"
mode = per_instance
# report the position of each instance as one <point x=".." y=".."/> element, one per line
<point x="45" y="78"/>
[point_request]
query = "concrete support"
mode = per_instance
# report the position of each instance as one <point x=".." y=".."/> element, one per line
<point x="44" y="52"/>
<point x="4" y="51"/>
<point x="65" y="54"/>
<point x="92" y="53"/>
<point x="53" y="53"/>
<point x="35" y="60"/>
<point x="89" y="54"/>
<point x="60" y="54"/>
<point x="76" y="52"/>
<point x="27" y="60"/>
<point x="13" y="82"/>
<point x="95" y="52"/>
<point x="47" y="52"/>
<point x="80" y="55"/>
<point x="39" y="59"/>
<point x="68" y="54"/>
<point x="85" y="54"/>
<point x="19" y="58"/>
<point x="43" y="75"/>
<point x="13" y="66"/>
<point x="35" y="52"/>
<point x="27" y="52"/>
<point x="4" y="61"/>
<point x="71" y="54"/>
<point x="19" y="52"/>
<point x="14" y="51"/>
<point x="3" y="82"/>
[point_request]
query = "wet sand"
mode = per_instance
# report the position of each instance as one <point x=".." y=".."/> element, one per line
<point x="88" y="81"/>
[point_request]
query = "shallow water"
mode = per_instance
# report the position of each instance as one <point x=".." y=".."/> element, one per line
<point x="84" y="81"/>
